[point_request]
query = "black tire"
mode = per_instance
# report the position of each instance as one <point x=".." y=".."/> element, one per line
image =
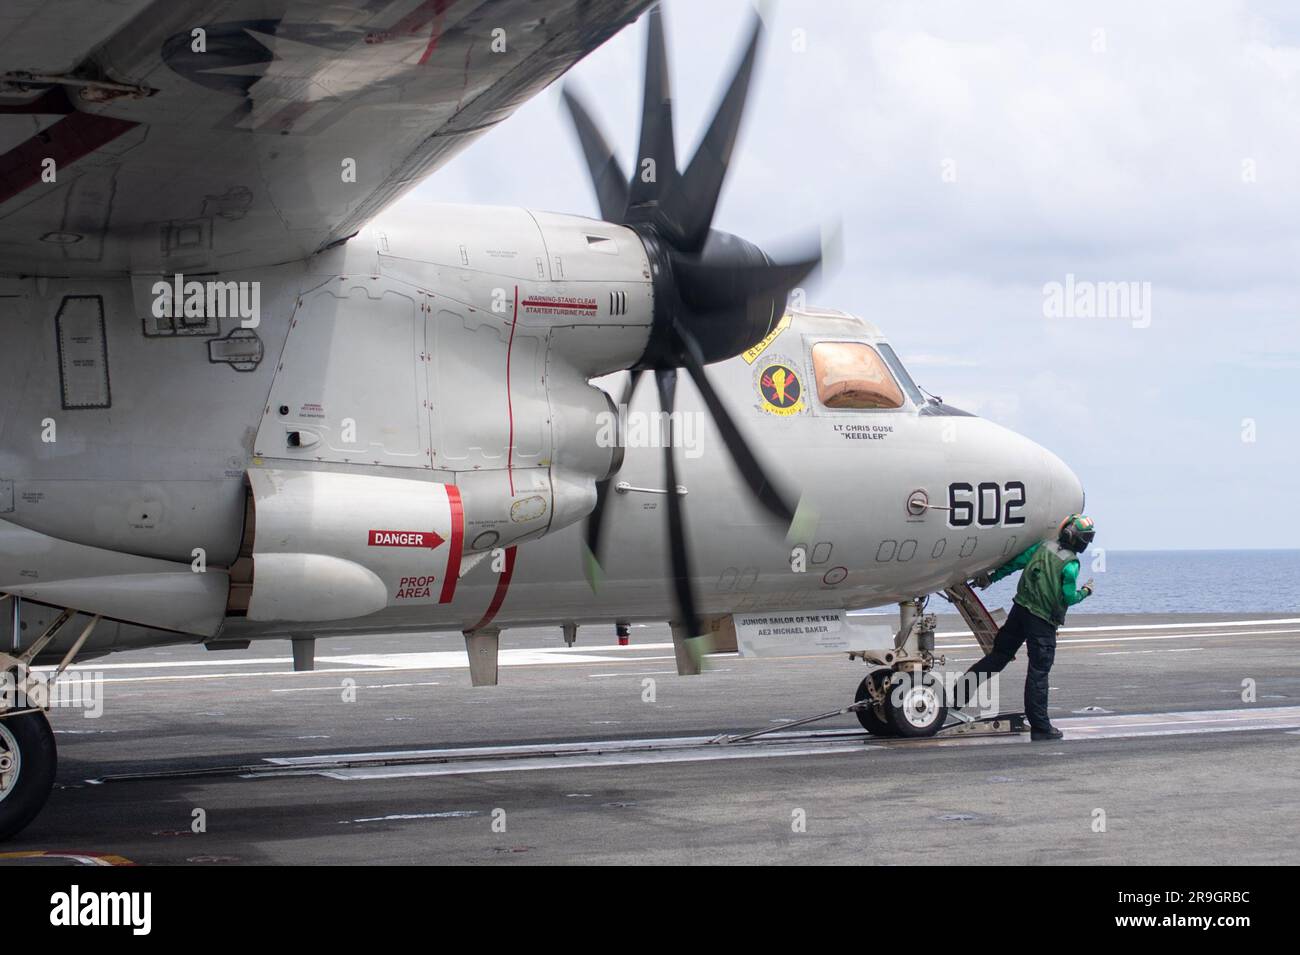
<point x="37" y="761"/>
<point x="873" y="722"/>
<point x="916" y="704"/>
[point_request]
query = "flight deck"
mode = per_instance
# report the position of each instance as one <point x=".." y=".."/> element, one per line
<point x="1180" y="737"/>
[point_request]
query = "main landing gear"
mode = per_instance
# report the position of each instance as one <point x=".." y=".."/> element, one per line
<point x="28" y="755"/>
<point x="28" y="759"/>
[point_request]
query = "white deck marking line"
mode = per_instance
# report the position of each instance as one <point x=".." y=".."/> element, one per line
<point x="698" y="755"/>
<point x="1122" y="653"/>
<point x="215" y="662"/>
<point x="404" y="816"/>
<point x="570" y="755"/>
<point x="356" y="659"/>
<point x="335" y="687"/>
<point x="449" y="659"/>
<point x="1178" y="636"/>
<point x="604" y="676"/>
<point x="372" y="670"/>
<point x="577" y="747"/>
<point x="1083" y="641"/>
<point x="1261" y="622"/>
<point x="1287" y="715"/>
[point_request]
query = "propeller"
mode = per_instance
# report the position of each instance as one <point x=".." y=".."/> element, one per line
<point x="715" y="294"/>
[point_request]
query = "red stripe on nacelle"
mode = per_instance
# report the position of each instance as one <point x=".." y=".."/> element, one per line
<point x="457" y="542"/>
<point x="510" y="408"/>
<point x="499" y="597"/>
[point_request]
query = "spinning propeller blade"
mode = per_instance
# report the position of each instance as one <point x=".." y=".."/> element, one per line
<point x="715" y="294"/>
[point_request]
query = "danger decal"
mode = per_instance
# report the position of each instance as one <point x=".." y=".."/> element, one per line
<point x="410" y="588"/>
<point x="426" y="539"/>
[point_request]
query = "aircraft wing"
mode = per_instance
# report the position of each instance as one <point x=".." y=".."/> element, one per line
<point x="193" y="135"/>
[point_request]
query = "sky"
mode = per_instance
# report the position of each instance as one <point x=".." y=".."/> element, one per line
<point x="977" y="158"/>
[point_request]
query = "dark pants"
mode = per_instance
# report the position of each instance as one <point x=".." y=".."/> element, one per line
<point x="1021" y="627"/>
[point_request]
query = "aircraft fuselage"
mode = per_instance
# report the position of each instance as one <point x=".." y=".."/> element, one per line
<point x="456" y="355"/>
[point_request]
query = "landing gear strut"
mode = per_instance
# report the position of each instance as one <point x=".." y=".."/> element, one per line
<point x="28" y="755"/>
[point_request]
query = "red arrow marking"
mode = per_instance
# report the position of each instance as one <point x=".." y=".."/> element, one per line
<point x="428" y="539"/>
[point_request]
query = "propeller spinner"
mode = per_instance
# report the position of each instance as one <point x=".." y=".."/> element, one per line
<point x="715" y="294"/>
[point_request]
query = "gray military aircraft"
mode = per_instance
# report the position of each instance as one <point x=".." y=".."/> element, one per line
<point x="245" y="399"/>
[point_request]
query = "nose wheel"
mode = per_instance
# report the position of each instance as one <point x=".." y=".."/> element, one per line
<point x="900" y="703"/>
<point x="916" y="706"/>
<point x="873" y="691"/>
<point x="28" y="759"/>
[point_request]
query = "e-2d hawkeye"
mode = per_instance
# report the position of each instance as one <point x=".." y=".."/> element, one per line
<point x="241" y="402"/>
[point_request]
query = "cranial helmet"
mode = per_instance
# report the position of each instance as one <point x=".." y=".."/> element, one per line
<point x="1077" y="532"/>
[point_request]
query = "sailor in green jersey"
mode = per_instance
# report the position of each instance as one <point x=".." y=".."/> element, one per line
<point x="1048" y="588"/>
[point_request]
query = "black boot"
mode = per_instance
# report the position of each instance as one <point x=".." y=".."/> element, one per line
<point x="1047" y="733"/>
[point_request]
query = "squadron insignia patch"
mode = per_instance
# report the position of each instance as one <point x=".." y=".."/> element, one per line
<point x="780" y="389"/>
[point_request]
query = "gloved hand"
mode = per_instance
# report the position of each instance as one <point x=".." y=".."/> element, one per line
<point x="1087" y="587"/>
<point x="982" y="581"/>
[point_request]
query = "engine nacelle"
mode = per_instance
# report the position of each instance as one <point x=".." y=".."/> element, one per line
<point x="462" y="346"/>
<point x="583" y="284"/>
<point x="446" y="363"/>
<point x="331" y="545"/>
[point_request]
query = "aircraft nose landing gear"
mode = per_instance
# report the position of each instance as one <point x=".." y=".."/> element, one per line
<point x="901" y="696"/>
<point x="906" y="697"/>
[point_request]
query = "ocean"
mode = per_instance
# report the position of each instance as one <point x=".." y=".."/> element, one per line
<point x="1182" y="581"/>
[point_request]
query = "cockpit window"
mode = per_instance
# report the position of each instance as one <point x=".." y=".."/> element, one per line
<point x="852" y="375"/>
<point x="896" y="366"/>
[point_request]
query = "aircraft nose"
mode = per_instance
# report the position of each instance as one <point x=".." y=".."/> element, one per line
<point x="1067" y="489"/>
